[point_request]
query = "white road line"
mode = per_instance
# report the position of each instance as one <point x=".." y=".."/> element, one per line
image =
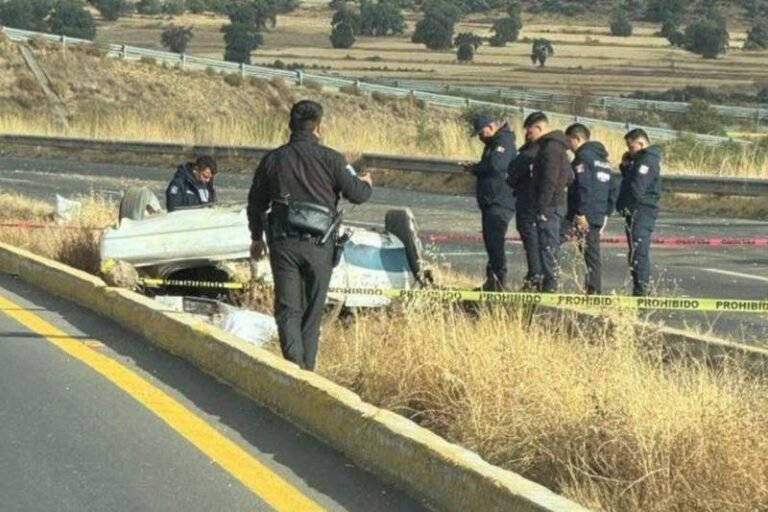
<point x="735" y="274"/>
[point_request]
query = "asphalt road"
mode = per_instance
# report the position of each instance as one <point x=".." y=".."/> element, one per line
<point x="729" y="272"/>
<point x="72" y="440"/>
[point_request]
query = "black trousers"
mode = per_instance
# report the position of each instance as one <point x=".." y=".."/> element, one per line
<point x="526" y="227"/>
<point x="549" y="247"/>
<point x="302" y="272"/>
<point x="589" y="247"/>
<point x="495" y="221"/>
<point x="639" y="229"/>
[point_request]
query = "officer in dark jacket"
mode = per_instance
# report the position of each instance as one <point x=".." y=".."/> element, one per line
<point x="638" y="202"/>
<point x="521" y="180"/>
<point x="591" y="199"/>
<point x="192" y="185"/>
<point x="494" y="197"/>
<point x="552" y="175"/>
<point x="300" y="185"/>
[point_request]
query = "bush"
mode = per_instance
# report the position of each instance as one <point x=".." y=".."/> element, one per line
<point x="176" y="39"/>
<point x="149" y="7"/>
<point x="434" y="31"/>
<point x="352" y="90"/>
<point x="26" y="14"/>
<point x="175" y="7"/>
<point x="465" y="53"/>
<point x="342" y="36"/>
<point x="382" y="18"/>
<point x="234" y="79"/>
<point x="70" y="19"/>
<point x="664" y="10"/>
<point x="149" y="61"/>
<point x="380" y="97"/>
<point x="197" y="6"/>
<point x="240" y="40"/>
<point x="27" y="84"/>
<point x="468" y="38"/>
<point x="757" y="37"/>
<point x="505" y="31"/>
<point x="313" y="85"/>
<point x="701" y="118"/>
<point x="621" y="23"/>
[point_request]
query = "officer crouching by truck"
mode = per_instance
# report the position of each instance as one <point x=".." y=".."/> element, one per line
<point x="639" y="204"/>
<point x="494" y="197"/>
<point x="293" y="199"/>
<point x="591" y="199"/>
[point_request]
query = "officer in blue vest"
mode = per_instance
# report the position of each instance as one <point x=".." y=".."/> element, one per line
<point x="591" y="199"/>
<point x="639" y="204"/>
<point x="494" y="197"/>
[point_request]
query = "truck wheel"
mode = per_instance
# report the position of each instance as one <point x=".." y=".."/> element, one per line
<point x="402" y="224"/>
<point x="138" y="204"/>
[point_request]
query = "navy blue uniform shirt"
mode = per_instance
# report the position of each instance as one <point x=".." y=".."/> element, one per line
<point x="491" y="172"/>
<point x="641" y="181"/>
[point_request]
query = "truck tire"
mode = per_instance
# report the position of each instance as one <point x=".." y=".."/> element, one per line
<point x="138" y="204"/>
<point x="402" y="224"/>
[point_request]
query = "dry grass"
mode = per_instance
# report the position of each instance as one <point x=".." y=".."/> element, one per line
<point x="75" y="244"/>
<point x="589" y="414"/>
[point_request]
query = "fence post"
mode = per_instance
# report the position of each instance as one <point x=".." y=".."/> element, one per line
<point x="242" y="70"/>
<point x="63" y="43"/>
<point x="123" y="52"/>
<point x="467" y="102"/>
<point x="299" y="78"/>
<point x="183" y="61"/>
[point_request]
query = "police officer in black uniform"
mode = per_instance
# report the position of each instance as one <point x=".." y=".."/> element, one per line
<point x="293" y="199"/>
<point x="521" y="180"/>
<point x="591" y="199"/>
<point x="638" y="202"/>
<point x="192" y="185"/>
<point x="494" y="197"/>
<point x="552" y="175"/>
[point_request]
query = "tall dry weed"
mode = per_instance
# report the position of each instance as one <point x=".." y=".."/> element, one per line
<point x="596" y="415"/>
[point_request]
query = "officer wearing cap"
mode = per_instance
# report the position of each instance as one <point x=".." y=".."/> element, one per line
<point x="638" y="202"/>
<point x="591" y="200"/>
<point x="552" y="175"/>
<point x="293" y="200"/>
<point x="494" y="197"/>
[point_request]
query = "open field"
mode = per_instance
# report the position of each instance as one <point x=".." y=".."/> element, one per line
<point x="596" y="414"/>
<point x="587" y="57"/>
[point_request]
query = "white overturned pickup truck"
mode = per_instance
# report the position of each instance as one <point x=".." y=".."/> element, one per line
<point x="202" y="244"/>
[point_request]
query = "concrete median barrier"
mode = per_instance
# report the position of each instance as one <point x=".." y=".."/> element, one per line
<point x="447" y="476"/>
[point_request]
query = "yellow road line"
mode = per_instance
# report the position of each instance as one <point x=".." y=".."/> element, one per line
<point x="259" y="479"/>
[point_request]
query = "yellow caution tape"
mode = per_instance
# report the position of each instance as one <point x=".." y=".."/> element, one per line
<point x="569" y="300"/>
<point x="159" y="283"/>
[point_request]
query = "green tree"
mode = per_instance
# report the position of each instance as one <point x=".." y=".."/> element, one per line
<point x="434" y="31"/>
<point x="621" y="22"/>
<point x="465" y="52"/>
<point x="175" y="7"/>
<point x="662" y="10"/>
<point x="259" y="13"/>
<point x="707" y="37"/>
<point x="26" y="14"/>
<point x="757" y="37"/>
<point x="505" y="30"/>
<point x="149" y="7"/>
<point x="176" y="39"/>
<point x="240" y="39"/>
<point x="382" y="18"/>
<point x="70" y="19"/>
<point x="347" y="15"/>
<point x="342" y="36"/>
<point x="468" y="38"/>
<point x="197" y="6"/>
<point x="111" y="10"/>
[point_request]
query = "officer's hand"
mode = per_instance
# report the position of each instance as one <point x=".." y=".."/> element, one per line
<point x="367" y="178"/>
<point x="626" y="159"/>
<point x="258" y="249"/>
<point x="581" y="224"/>
<point x="468" y="166"/>
<point x="605" y="223"/>
<point x="542" y="218"/>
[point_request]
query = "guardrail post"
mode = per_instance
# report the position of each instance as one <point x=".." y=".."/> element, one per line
<point x="299" y="78"/>
<point x="183" y="61"/>
<point x="123" y="51"/>
<point x="63" y="40"/>
<point x="468" y="102"/>
<point x="357" y="84"/>
<point x="242" y="69"/>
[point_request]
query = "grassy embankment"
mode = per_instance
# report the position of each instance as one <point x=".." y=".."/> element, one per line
<point x="595" y="413"/>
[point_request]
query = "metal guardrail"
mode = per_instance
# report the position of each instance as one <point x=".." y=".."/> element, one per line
<point x="530" y="97"/>
<point x="671" y="183"/>
<point x="190" y="62"/>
